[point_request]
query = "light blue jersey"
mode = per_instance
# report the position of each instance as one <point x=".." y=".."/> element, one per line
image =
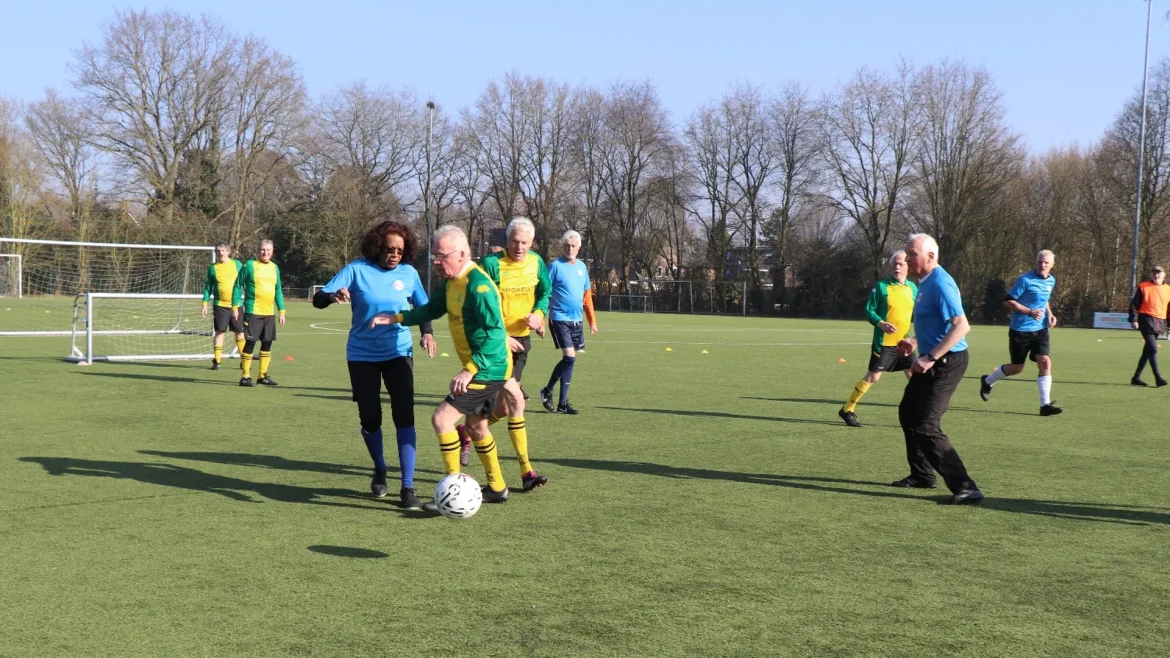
<point x="1033" y="291"/>
<point x="569" y="283"/>
<point x="938" y="303"/>
<point x="375" y="290"/>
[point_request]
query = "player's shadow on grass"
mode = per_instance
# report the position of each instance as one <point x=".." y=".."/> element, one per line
<point x="1021" y="379"/>
<point x="158" y="378"/>
<point x="347" y="551"/>
<point x="1123" y="514"/>
<point x="838" y="403"/>
<point x="273" y="462"/>
<point x="189" y="479"/>
<point x="724" y="414"/>
<point x="428" y="400"/>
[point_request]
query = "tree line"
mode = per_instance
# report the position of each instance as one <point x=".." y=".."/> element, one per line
<point x="176" y="129"/>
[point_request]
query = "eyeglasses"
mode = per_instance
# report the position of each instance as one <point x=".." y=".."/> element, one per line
<point x="395" y="250"/>
<point x="437" y="256"/>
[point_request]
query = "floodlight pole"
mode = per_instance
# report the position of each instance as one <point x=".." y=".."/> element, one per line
<point x="427" y="189"/>
<point x="1137" y="212"/>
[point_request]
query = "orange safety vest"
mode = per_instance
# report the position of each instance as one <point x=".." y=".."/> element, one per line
<point x="1155" y="299"/>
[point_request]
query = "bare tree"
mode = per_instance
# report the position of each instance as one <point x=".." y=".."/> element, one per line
<point x="794" y="120"/>
<point x="708" y="138"/>
<point x="59" y="132"/>
<point x="157" y="82"/>
<point x="546" y="151"/>
<point x="587" y="137"/>
<point x="869" y="130"/>
<point x="501" y="123"/>
<point x="754" y="155"/>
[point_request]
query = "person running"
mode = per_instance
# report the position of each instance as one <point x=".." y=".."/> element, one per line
<point x="1028" y="300"/>
<point x="1147" y="314"/>
<point x="889" y="309"/>
<point x="382" y="281"/>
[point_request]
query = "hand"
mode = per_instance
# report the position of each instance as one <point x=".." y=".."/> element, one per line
<point x="535" y="321"/>
<point x="203" y="311"/>
<point x="459" y="382"/>
<point x="592" y="328"/>
<point x="1134" y="325"/>
<point x="1036" y="313"/>
<point x="341" y="296"/>
<point x="428" y="344"/>
<point x="1051" y="320"/>
<point x="887" y="327"/>
<point x="921" y="365"/>
<point x="906" y="346"/>
<point x="383" y="318"/>
<point x="236" y="315"/>
<point x="281" y="319"/>
<point x="515" y="345"/>
<point x="540" y="332"/>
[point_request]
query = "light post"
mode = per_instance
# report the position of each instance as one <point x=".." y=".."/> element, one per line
<point x="427" y="190"/>
<point x="1137" y="211"/>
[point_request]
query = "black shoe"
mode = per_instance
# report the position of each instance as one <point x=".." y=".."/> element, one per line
<point x="1160" y="382"/>
<point x="266" y="380"/>
<point x="409" y="499"/>
<point x="567" y="408"/>
<point x="967" y="497"/>
<point x="430" y="507"/>
<point x="214" y="364"/>
<point x="378" y="484"/>
<point x="849" y="417"/>
<point x="911" y="482"/>
<point x="492" y="496"/>
<point x="532" y="480"/>
<point x="246" y="381"/>
<point x="1137" y="381"/>
<point x="546" y="400"/>
<point x="1050" y="410"/>
<point x="984" y="388"/>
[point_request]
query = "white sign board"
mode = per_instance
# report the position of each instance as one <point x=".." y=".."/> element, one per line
<point x="1111" y="321"/>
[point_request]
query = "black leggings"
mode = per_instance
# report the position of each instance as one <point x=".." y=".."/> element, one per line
<point x="366" y="377"/>
<point x="1149" y="355"/>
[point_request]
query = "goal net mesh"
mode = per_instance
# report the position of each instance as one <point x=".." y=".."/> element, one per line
<point x="118" y="327"/>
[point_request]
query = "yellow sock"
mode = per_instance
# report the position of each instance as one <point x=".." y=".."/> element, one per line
<point x="449" y="448"/>
<point x="486" y="447"/>
<point x="519" y="435"/>
<point x="492" y="418"/>
<point x="218" y="353"/>
<point x="245" y="364"/>
<point x="265" y="359"/>
<point x="240" y="345"/>
<point x="858" y="392"/>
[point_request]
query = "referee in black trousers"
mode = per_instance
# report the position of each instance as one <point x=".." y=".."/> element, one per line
<point x="941" y="328"/>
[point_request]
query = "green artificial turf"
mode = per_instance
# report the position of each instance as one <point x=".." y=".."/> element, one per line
<point x="702" y="504"/>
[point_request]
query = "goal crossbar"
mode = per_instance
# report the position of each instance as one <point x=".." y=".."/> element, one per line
<point x="87" y="356"/>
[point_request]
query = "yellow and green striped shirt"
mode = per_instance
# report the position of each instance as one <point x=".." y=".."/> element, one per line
<point x="221" y="282"/>
<point x="258" y="289"/>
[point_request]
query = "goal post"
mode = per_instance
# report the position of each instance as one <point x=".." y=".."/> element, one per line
<point x="139" y="327"/>
<point x="11" y="275"/>
<point x="313" y="292"/>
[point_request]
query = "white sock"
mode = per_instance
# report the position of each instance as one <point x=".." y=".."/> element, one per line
<point x="1044" y="383"/>
<point x="996" y="375"/>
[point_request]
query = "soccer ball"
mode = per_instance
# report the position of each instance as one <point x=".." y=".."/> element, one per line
<point x="458" y="496"/>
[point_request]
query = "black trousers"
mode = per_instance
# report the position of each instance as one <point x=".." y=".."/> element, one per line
<point x="920" y="413"/>
<point x="366" y="377"/>
<point x="1151" y="328"/>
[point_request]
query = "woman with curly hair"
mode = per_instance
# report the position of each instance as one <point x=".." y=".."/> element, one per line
<point x="383" y="281"/>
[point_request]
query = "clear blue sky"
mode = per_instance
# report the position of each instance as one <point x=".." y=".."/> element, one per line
<point x="1065" y="66"/>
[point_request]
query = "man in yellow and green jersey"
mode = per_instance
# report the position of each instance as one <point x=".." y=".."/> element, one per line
<point x="258" y="289"/>
<point x="524" y="287"/>
<point x="471" y="301"/>
<point x="890" y="309"/>
<point x="221" y="284"/>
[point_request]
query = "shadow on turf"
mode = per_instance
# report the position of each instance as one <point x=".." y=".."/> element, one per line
<point x="272" y="462"/>
<point x="723" y="414"/>
<point x="838" y="403"/>
<point x="181" y="477"/>
<point x="347" y="551"/>
<point x="1124" y="514"/>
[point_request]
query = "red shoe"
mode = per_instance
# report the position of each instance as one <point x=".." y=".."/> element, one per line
<point x="464" y="444"/>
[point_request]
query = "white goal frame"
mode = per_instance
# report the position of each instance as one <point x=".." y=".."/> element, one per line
<point x="87" y="356"/>
<point x="19" y="272"/>
<point x="313" y="291"/>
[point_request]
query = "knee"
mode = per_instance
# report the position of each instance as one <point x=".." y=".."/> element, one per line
<point x="873" y="377"/>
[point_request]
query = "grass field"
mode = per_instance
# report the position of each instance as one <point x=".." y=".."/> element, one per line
<point x="701" y="505"/>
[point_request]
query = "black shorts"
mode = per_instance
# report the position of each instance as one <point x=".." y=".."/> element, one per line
<point x="520" y="358"/>
<point x="567" y="334"/>
<point x="221" y="320"/>
<point x="479" y="398"/>
<point x="260" y="328"/>
<point x="1023" y="345"/>
<point x="888" y="360"/>
<point x="1148" y="324"/>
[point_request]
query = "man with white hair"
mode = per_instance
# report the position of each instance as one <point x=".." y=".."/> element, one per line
<point x="889" y="309"/>
<point x="941" y="328"/>
<point x="1028" y="300"/>
<point x="572" y="302"/>
<point x="259" y="291"/>
<point x="471" y="301"/>
<point x="524" y="293"/>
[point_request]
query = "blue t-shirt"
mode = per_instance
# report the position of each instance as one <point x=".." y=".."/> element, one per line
<point x="569" y="283"/>
<point x="1032" y="291"/>
<point x="938" y="303"/>
<point x="375" y="290"/>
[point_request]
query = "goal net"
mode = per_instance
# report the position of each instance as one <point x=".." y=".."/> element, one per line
<point x="39" y="279"/>
<point x="110" y="326"/>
